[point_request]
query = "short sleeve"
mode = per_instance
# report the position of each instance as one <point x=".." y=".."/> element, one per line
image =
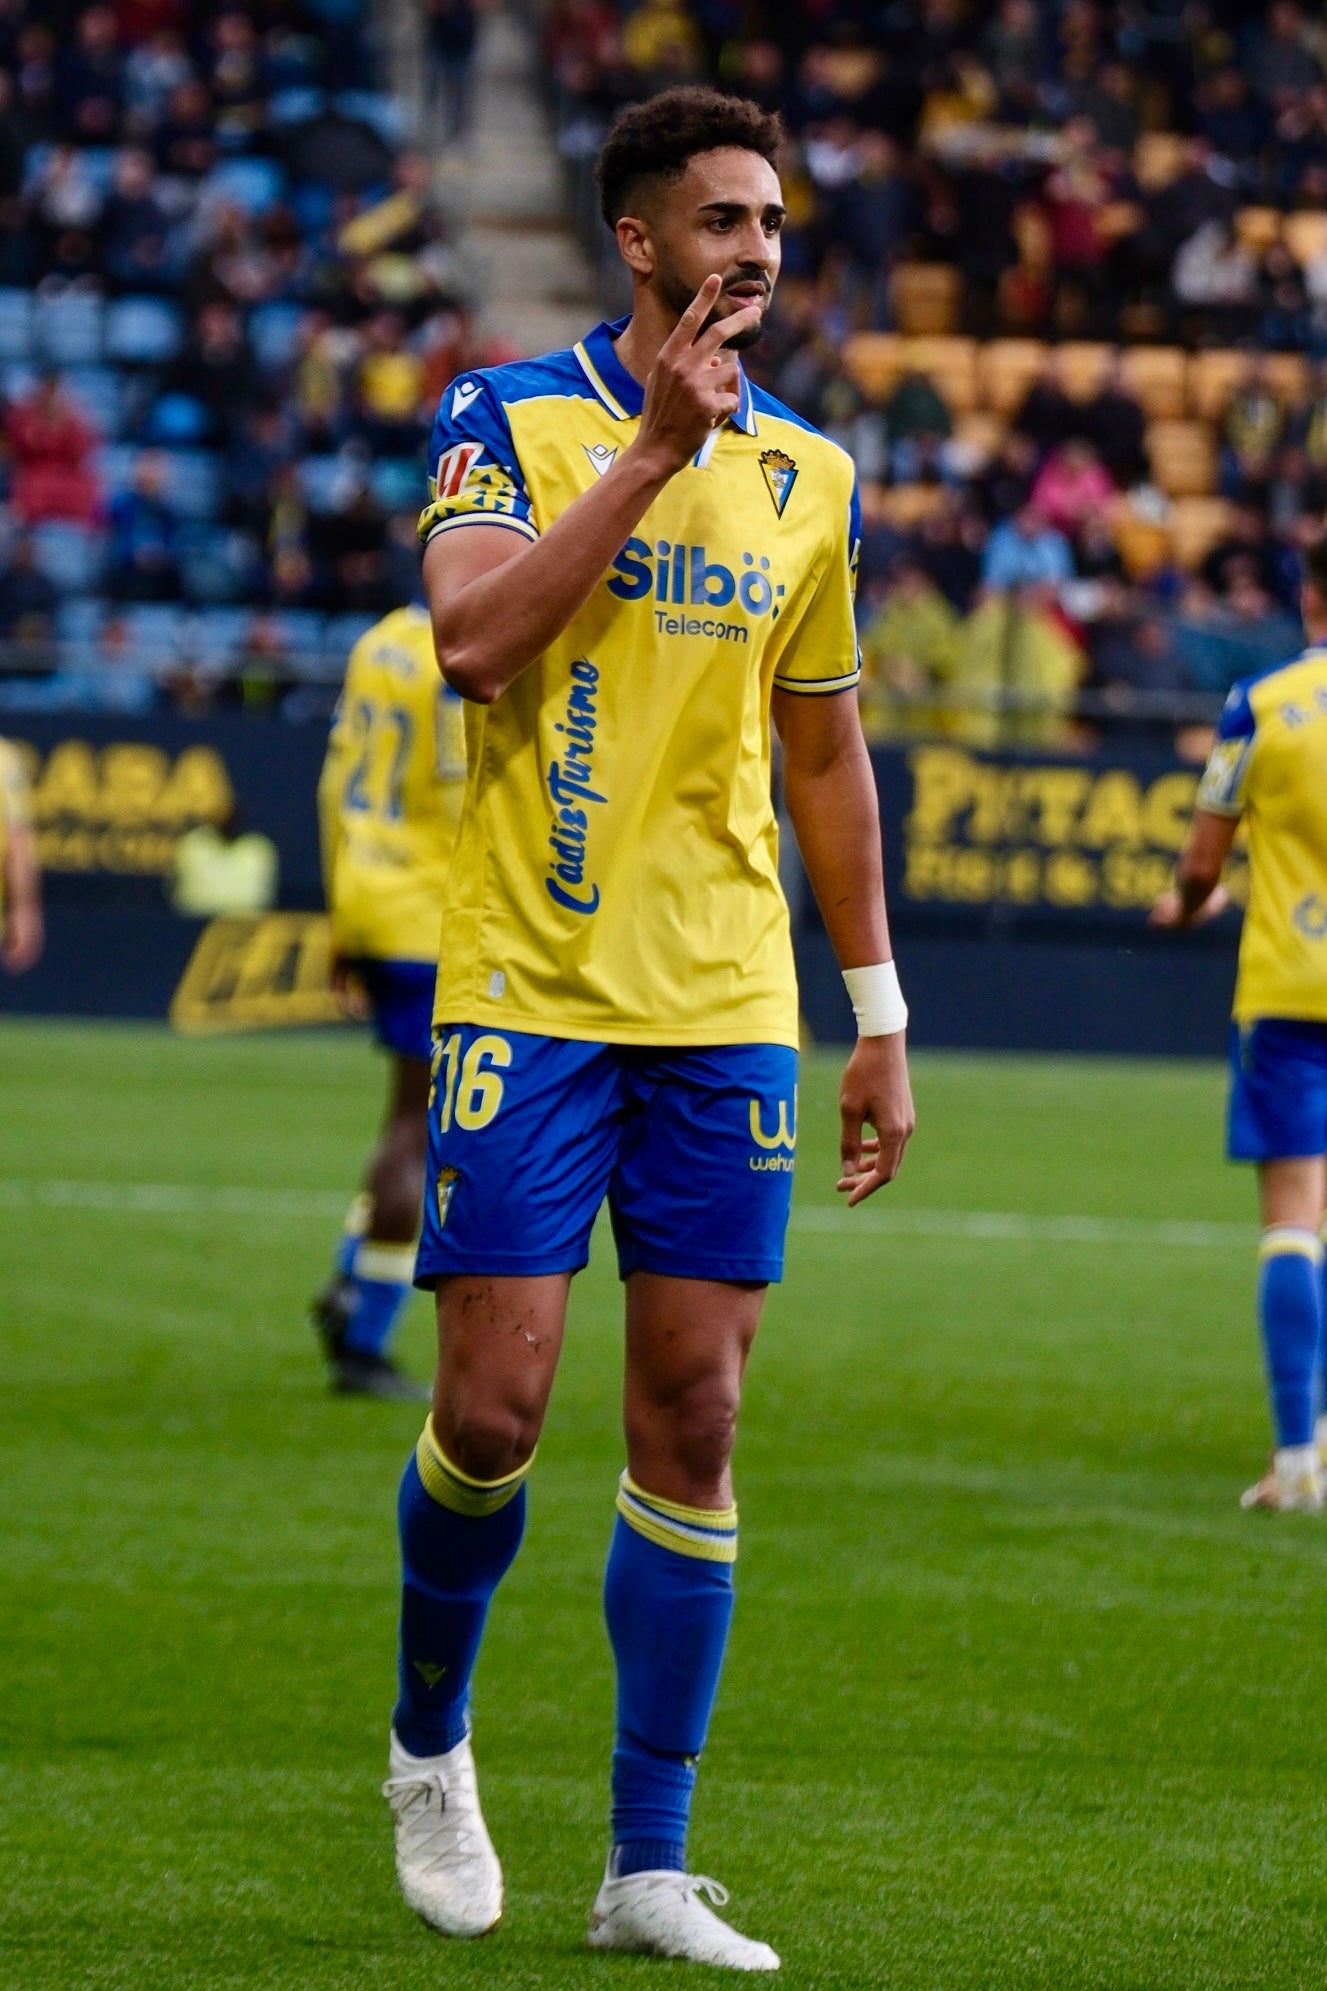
<point x="1221" y="790"/>
<point x="15" y="804"/>
<point x="474" y="477"/>
<point x="820" y="655"/>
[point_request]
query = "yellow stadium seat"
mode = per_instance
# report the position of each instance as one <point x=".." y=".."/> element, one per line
<point x="1157" y="377"/>
<point x="1288" y="377"/>
<point x="905" y="505"/>
<point x="1006" y="368"/>
<point x="1196" y="524"/>
<point x="1142" y="544"/>
<point x="1158" y="158"/>
<point x="875" y="361"/>
<point x="1083" y="364"/>
<point x="925" y="297"/>
<point x="1258" y="227"/>
<point x="1213" y="377"/>
<point x="1305" y="235"/>
<point x="951" y="363"/>
<point x="1183" y="458"/>
<point x="980" y="433"/>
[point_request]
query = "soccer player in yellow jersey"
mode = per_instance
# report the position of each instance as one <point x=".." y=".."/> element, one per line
<point x="22" y="933"/>
<point x="389" y="800"/>
<point x="636" y="565"/>
<point x="1269" y="769"/>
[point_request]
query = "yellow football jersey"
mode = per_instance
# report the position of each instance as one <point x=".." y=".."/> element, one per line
<point x="616" y="873"/>
<point x="15" y="810"/>
<point x="1269" y="765"/>
<point x="390" y="794"/>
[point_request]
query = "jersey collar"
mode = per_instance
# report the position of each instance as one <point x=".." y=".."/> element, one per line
<point x="624" y="396"/>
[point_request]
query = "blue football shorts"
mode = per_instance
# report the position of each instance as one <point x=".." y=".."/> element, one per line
<point x="1278" y="1090"/>
<point x="528" y="1134"/>
<point x="400" y="997"/>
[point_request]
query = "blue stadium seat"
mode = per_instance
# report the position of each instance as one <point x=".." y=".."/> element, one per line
<point x="115" y="466"/>
<point x="17" y="379"/>
<point x="68" y="328"/>
<point x="78" y="620"/>
<point x="71" y="555"/>
<point x="385" y="115"/>
<point x="303" y="632"/>
<point x="215" y="636"/>
<point x="296" y="106"/>
<point x="253" y="184"/>
<point x="343" y="632"/>
<point x="216" y="564"/>
<point x="99" y="392"/>
<point x="15" y="325"/>
<point x="194" y="484"/>
<point x="274" y="333"/>
<point x="99" y="165"/>
<point x="143" y="330"/>
<point x="321" y="476"/>
<point x="398" y="483"/>
<point x="154" y="630"/>
<point x="176" y="421"/>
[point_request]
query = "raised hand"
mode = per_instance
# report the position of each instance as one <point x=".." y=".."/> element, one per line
<point x="694" y="383"/>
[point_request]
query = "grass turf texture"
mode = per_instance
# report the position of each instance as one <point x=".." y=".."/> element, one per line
<point x="1016" y="1695"/>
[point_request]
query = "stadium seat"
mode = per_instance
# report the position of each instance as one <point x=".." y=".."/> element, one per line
<point x="1196" y="524"/>
<point x="214" y="637"/>
<point x="67" y="328"/>
<point x="385" y="115"/>
<point x="1143" y="544"/>
<point x="1158" y="376"/>
<point x="1183" y="458"/>
<point x="321" y="477"/>
<point x="398" y="483"/>
<point x="1288" y="377"/>
<point x="15" y="325"/>
<point x="274" y="333"/>
<point x="1158" y="158"/>
<point x="905" y="505"/>
<point x="1212" y="378"/>
<point x="69" y="555"/>
<point x="99" y="165"/>
<point x="253" y="184"/>
<point x="78" y="620"/>
<point x="339" y="639"/>
<point x="1258" y="227"/>
<point x="98" y="392"/>
<point x="875" y="361"/>
<point x="194" y="482"/>
<point x="925" y="297"/>
<point x="951" y="363"/>
<point x="1083" y="364"/>
<point x="153" y="632"/>
<point x="296" y="106"/>
<point x="980" y="434"/>
<point x="1305" y="235"/>
<point x="143" y="330"/>
<point x="215" y="563"/>
<point x="1006" y="369"/>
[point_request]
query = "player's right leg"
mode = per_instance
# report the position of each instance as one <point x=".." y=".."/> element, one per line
<point x="522" y="1136"/>
<point x="1278" y="1118"/>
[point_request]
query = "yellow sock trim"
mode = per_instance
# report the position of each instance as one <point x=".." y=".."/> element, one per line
<point x="707" y="1533"/>
<point x="1283" y="1239"/>
<point x="393" y="1264"/>
<point x="450" y="1487"/>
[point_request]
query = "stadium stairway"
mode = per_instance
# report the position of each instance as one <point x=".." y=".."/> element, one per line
<point x="503" y="188"/>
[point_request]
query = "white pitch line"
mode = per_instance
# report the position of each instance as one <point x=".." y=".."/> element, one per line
<point x="196" y="1199"/>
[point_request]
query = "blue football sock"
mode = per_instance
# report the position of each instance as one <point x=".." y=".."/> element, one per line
<point x="356" y="1224"/>
<point x="459" y="1537"/>
<point x="381" y="1278"/>
<point x="668" y="1599"/>
<point x="1290" y="1311"/>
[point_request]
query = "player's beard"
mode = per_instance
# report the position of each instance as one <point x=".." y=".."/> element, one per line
<point x="679" y="293"/>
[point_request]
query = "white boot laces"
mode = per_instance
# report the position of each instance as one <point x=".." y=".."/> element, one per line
<point x="449" y="1828"/>
<point x="713" y="1890"/>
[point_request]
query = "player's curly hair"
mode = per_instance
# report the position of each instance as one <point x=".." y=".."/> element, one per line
<point x="1315" y="566"/>
<point x="655" y="139"/>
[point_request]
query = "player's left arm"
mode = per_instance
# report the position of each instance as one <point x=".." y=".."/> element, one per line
<point x="1198" y="894"/>
<point x="24" y="932"/>
<point x="830" y="792"/>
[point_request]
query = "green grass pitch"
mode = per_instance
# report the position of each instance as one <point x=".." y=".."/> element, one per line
<point x="1016" y="1697"/>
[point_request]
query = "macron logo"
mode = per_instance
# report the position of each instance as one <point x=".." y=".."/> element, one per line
<point x="463" y="396"/>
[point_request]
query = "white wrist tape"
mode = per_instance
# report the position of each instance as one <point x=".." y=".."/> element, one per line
<point x="877" y="1000"/>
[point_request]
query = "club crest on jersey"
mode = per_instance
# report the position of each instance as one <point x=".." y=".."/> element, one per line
<point x="447" y="1181"/>
<point x="601" y="455"/>
<point x="780" y="476"/>
<point x="454" y="467"/>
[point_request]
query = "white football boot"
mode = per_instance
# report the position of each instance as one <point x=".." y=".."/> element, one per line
<point x="1320" y="1440"/>
<point x="445" y="1862"/>
<point x="1293" y="1486"/>
<point x="662" y="1914"/>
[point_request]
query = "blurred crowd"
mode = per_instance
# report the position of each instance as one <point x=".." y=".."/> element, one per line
<point x="1084" y="175"/>
<point x="228" y="306"/>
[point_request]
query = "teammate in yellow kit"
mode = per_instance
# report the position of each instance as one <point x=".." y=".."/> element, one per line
<point x="389" y="799"/>
<point x="637" y="564"/>
<point x="1269" y="769"/>
<point x="22" y="933"/>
